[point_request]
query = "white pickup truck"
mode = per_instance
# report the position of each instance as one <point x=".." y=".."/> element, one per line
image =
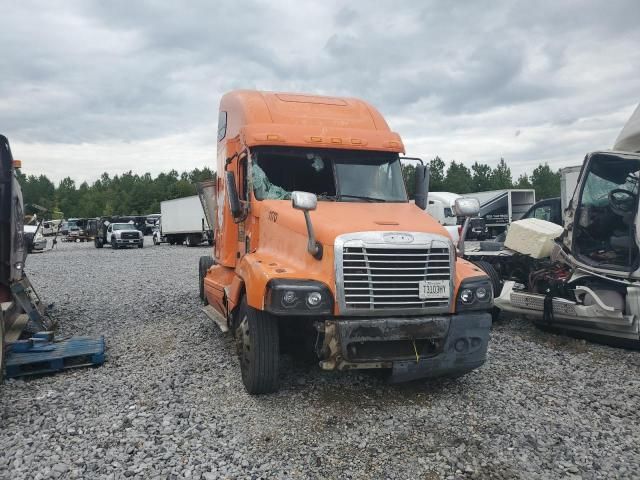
<point x="124" y="235"/>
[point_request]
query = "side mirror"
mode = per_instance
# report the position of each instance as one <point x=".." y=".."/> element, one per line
<point x="232" y="195"/>
<point x="304" y="201"/>
<point x="466" y="207"/>
<point x="422" y="186"/>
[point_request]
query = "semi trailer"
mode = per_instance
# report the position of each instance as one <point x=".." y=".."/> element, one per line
<point x="501" y="207"/>
<point x="317" y="246"/>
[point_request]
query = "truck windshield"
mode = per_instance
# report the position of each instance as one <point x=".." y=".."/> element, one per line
<point x="604" y="230"/>
<point x="333" y="175"/>
<point x="123" y="226"/>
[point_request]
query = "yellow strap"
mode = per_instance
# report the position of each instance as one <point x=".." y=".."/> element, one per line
<point x="416" y="350"/>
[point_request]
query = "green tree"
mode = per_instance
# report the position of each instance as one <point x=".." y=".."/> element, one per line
<point x="481" y="177"/>
<point x="501" y="176"/>
<point x="67" y="197"/>
<point x="546" y="182"/>
<point x="436" y="175"/>
<point x="523" y="182"/>
<point x="458" y="178"/>
<point x="409" y="175"/>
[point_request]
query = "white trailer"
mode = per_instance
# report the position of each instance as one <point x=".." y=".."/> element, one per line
<point x="568" y="181"/>
<point x="501" y="207"/>
<point x="183" y="220"/>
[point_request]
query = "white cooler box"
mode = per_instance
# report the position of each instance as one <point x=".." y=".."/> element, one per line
<point x="532" y="237"/>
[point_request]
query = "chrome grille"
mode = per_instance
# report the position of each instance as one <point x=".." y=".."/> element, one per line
<point x="380" y="277"/>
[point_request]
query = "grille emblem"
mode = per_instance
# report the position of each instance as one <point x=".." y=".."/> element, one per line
<point x="398" y="238"/>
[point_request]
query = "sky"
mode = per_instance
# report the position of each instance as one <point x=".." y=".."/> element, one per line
<point x="88" y="87"/>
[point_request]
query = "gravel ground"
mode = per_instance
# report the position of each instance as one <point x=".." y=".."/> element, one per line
<point x="169" y="402"/>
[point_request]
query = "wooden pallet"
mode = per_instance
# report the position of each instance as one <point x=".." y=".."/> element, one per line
<point x="31" y="357"/>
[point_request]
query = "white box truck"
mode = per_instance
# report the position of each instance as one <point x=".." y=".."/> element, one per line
<point x="182" y="220"/>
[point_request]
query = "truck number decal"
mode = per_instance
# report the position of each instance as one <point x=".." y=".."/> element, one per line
<point x="273" y="216"/>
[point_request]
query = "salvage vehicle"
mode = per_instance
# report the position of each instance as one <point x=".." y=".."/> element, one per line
<point x="589" y="286"/>
<point x="118" y="235"/>
<point x="317" y="246"/>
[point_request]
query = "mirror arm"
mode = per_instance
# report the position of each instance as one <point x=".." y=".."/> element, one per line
<point x="313" y="247"/>
<point x="463" y="235"/>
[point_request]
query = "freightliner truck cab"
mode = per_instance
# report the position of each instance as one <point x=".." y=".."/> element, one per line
<point x="317" y="246"/>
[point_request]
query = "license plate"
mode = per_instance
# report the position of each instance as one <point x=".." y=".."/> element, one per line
<point x="132" y="241"/>
<point x="433" y="289"/>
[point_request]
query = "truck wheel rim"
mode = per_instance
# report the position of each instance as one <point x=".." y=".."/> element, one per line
<point x="243" y="346"/>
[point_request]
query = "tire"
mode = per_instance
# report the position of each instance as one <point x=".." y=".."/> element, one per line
<point x="192" y="241"/>
<point x="155" y="241"/>
<point x="496" y="283"/>
<point x="114" y="245"/>
<point x="140" y="245"/>
<point x="205" y="263"/>
<point x="258" y="348"/>
<point x="98" y="243"/>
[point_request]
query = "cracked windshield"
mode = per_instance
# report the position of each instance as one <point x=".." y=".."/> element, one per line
<point x="331" y="175"/>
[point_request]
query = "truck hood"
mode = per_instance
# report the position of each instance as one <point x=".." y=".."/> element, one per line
<point x="331" y="219"/>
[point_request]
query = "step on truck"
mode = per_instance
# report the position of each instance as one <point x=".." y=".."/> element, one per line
<point x="317" y="247"/>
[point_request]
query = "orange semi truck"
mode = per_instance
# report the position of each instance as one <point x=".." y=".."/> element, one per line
<point x="317" y="246"/>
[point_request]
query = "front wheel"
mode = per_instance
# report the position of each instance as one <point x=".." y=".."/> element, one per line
<point x="98" y="243"/>
<point x="155" y="241"/>
<point x="114" y="245"/>
<point x="258" y="347"/>
<point x="140" y="245"/>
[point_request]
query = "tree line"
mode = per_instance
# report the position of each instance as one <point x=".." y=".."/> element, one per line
<point x="126" y="194"/>
<point x="458" y="178"/>
<point x="133" y="194"/>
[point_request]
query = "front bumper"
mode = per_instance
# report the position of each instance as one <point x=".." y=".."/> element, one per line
<point x="413" y="347"/>
<point x="129" y="241"/>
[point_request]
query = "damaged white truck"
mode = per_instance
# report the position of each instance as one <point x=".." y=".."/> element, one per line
<point x="589" y="285"/>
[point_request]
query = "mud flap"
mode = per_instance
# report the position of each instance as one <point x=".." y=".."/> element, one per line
<point x="465" y="349"/>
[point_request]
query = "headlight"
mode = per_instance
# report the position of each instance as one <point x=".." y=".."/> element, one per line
<point x="475" y="294"/>
<point x="298" y="297"/>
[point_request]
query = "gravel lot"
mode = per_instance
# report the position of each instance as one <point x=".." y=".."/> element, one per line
<point x="169" y="402"/>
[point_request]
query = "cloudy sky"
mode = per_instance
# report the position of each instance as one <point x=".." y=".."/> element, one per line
<point x="88" y="87"/>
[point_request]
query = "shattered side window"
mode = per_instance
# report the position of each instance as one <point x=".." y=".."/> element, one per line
<point x="263" y="189"/>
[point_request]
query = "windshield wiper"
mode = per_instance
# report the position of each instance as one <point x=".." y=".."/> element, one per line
<point x="360" y="197"/>
<point x="326" y="196"/>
